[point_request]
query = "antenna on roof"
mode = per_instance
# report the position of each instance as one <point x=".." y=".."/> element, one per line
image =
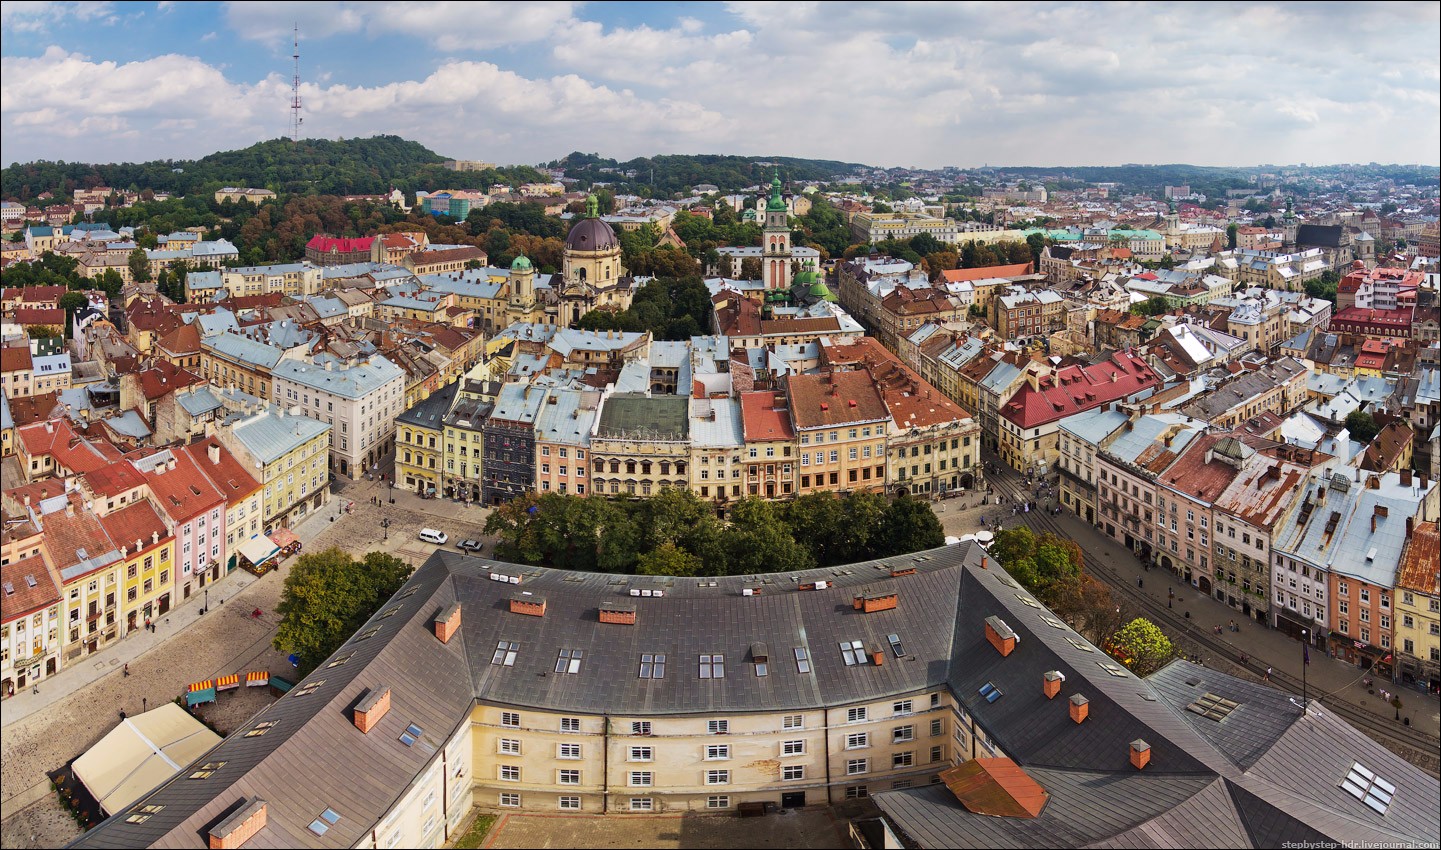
<point x="295" y="119"/>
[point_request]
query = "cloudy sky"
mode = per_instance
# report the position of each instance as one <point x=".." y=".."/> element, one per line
<point x="919" y="84"/>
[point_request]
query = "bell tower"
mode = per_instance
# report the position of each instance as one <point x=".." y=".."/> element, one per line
<point x="776" y="241"/>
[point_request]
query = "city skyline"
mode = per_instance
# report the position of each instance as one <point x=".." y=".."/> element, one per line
<point x="1052" y="84"/>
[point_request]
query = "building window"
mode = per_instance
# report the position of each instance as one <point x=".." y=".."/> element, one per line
<point x="903" y="733"/>
<point x="642" y="753"/>
<point x="793" y="721"/>
<point x="902" y="759"/>
<point x="856" y="792"/>
<point x="712" y="666"/>
<point x="792" y="772"/>
<point x="642" y="804"/>
<point x="717" y="777"/>
<point x="641" y="778"/>
<point x="857" y="715"/>
<point x="510" y="773"/>
<point x="652" y="666"/>
<point x="793" y="748"/>
<point x="568" y="777"/>
<point x="510" y="801"/>
<point x="568" y="751"/>
<point x="904" y="706"/>
<point x="505" y="652"/>
<point x="640" y="727"/>
<point x="717" y="751"/>
<point x="936" y="727"/>
<point x="718" y="802"/>
<point x="570" y="724"/>
<point x="509" y="746"/>
<point x="855" y="767"/>
<point x="510" y="718"/>
<point x="857" y="740"/>
<point x="718" y="727"/>
<point x="569" y="660"/>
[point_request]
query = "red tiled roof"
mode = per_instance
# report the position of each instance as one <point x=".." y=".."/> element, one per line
<point x="762" y="419"/>
<point x="137" y="521"/>
<point x="68" y="534"/>
<point x="113" y="479"/>
<point x="1073" y="389"/>
<point x="447" y="255"/>
<point x="958" y="275"/>
<point x="34" y="294"/>
<point x="164" y="377"/>
<point x="1420" y="567"/>
<point x="20" y="598"/>
<point x="183" y="340"/>
<point x="343" y="246"/>
<point x="834" y="398"/>
<point x="228" y="474"/>
<point x="68" y="449"/>
<point x="185" y="491"/>
<point x="40" y="316"/>
<point x="15" y="359"/>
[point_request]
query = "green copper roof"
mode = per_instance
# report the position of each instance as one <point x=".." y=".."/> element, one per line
<point x="820" y="290"/>
<point x="776" y="204"/>
<point x="521" y="264"/>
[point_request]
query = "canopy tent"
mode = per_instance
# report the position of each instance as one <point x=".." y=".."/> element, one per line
<point x="200" y="693"/>
<point x="258" y="550"/>
<point x="140" y="754"/>
<point x="287" y="541"/>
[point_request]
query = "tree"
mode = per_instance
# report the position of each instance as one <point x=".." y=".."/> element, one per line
<point x="668" y="560"/>
<point x="1141" y="646"/>
<point x="1154" y="306"/>
<point x="910" y="526"/>
<point x="70" y="302"/>
<point x="757" y="541"/>
<point x="43" y="331"/>
<point x="750" y="268"/>
<point x="1362" y="426"/>
<point x="328" y="596"/>
<point x="1231" y="236"/>
<point x="139" y="265"/>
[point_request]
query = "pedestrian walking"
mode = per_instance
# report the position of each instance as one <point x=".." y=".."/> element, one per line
<point x="127" y="671"/>
<point x="1139" y="582"/>
<point x="1267" y="677"/>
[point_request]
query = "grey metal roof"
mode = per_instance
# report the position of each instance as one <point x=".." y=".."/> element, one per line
<point x="353" y="381"/>
<point x="271" y="434"/>
<point x="429" y="411"/>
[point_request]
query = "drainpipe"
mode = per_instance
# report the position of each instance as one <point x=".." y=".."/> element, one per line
<point x="826" y="719"/>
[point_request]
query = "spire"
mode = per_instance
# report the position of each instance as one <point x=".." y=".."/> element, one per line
<point x="592" y="206"/>
<point x="776" y="204"/>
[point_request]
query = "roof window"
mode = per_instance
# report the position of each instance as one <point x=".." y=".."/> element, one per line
<point x="322" y="824"/>
<point x="1369" y="788"/>
<point x="1212" y="707"/>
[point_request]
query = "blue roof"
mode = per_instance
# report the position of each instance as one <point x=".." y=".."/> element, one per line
<point x="1093" y="426"/>
<point x="355" y="381"/>
<point x="274" y="433"/>
<point x="244" y="349"/>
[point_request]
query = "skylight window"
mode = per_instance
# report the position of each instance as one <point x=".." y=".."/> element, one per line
<point x="367" y="634"/>
<point x="341" y="660"/>
<point x="1369" y="788"/>
<point x="1028" y="600"/>
<point x="990" y="692"/>
<point x="569" y="660"/>
<point x="1053" y="622"/>
<point x="1114" y="669"/>
<point x="322" y="824"/>
<point x="853" y="652"/>
<point x="1078" y="644"/>
<point x="205" y="771"/>
<point x="1212" y="707"/>
<point x="505" y="653"/>
<point x="309" y="688"/>
<point x="803" y="660"/>
<point x="895" y="641"/>
<point x="712" y="666"/>
<point x="390" y="612"/>
<point x="411" y="734"/>
<point x="652" y="665"/>
<point x="261" y="728"/>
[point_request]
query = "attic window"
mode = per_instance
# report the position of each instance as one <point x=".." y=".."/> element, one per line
<point x="1028" y="600"/>
<point x="390" y="612"/>
<point x="339" y="661"/>
<point x="205" y="771"/>
<point x="1078" y="644"/>
<point x="408" y="593"/>
<point x="505" y="652"/>
<point x="1114" y="669"/>
<point x="367" y="634"/>
<point x="261" y="728"/>
<point x="569" y="660"/>
<point x="1053" y="622"/>
<point x="991" y="692"/>
<point x="652" y="665"/>
<point x="143" y="814"/>
<point x="853" y="652"/>
<point x="895" y="641"/>
<point x="712" y="666"/>
<point x="803" y="660"/>
<point x="309" y="688"/>
<point x="411" y="734"/>
<point x="1369" y="788"/>
<point x="1212" y="707"/>
<point x="322" y="824"/>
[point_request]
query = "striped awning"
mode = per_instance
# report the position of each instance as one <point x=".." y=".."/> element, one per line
<point x="257" y="678"/>
<point x="225" y="683"/>
<point x="202" y="686"/>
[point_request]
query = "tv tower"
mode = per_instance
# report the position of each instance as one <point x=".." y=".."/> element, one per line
<point x="295" y="119"/>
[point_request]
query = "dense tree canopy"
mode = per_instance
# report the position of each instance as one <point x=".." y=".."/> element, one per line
<point x="676" y="533"/>
<point x="328" y="596"/>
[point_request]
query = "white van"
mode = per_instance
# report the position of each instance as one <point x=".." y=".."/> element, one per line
<point x="430" y="535"/>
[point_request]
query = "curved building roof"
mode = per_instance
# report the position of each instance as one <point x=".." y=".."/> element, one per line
<point x="592" y="234"/>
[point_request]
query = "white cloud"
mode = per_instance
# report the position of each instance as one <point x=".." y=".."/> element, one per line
<point x="448" y="26"/>
<point x="26" y="16"/>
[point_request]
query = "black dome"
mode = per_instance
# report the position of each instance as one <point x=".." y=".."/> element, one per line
<point x="591" y="234"/>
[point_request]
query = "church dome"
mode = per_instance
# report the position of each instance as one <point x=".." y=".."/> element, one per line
<point x="591" y="234"/>
<point x="521" y="264"/>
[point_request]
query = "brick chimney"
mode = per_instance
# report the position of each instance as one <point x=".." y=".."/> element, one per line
<point x="369" y="710"/>
<point x="871" y="602"/>
<point x="1080" y="708"/>
<point x="448" y="623"/>
<point x="620" y="614"/>
<point x="878" y="656"/>
<point x="1051" y="683"/>
<point x="1140" y="754"/>
<point x="237" y="829"/>
<point x="1000" y="635"/>
<point x="533" y="606"/>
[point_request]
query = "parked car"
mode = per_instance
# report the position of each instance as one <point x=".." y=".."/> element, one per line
<point x="470" y="546"/>
<point x="431" y="535"/>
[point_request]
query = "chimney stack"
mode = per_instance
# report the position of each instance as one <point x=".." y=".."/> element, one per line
<point x="1001" y="636"/>
<point x="1080" y="708"/>
<point x="448" y="623"/>
<point x="1140" y="753"/>
<point x="375" y="706"/>
<point x="237" y="829"/>
<point x="1051" y="683"/>
<point x="213" y="450"/>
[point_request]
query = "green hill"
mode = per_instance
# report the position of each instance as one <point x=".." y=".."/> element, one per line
<point x="671" y="173"/>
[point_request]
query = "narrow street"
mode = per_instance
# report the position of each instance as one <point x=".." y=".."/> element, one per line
<point x="1147" y="593"/>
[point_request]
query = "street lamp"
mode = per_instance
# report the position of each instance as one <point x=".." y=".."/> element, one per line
<point x="207" y="601"/>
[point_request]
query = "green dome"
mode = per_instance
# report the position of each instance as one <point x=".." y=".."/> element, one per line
<point x="521" y="264"/>
<point x="775" y="204"/>
<point x="821" y="291"/>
